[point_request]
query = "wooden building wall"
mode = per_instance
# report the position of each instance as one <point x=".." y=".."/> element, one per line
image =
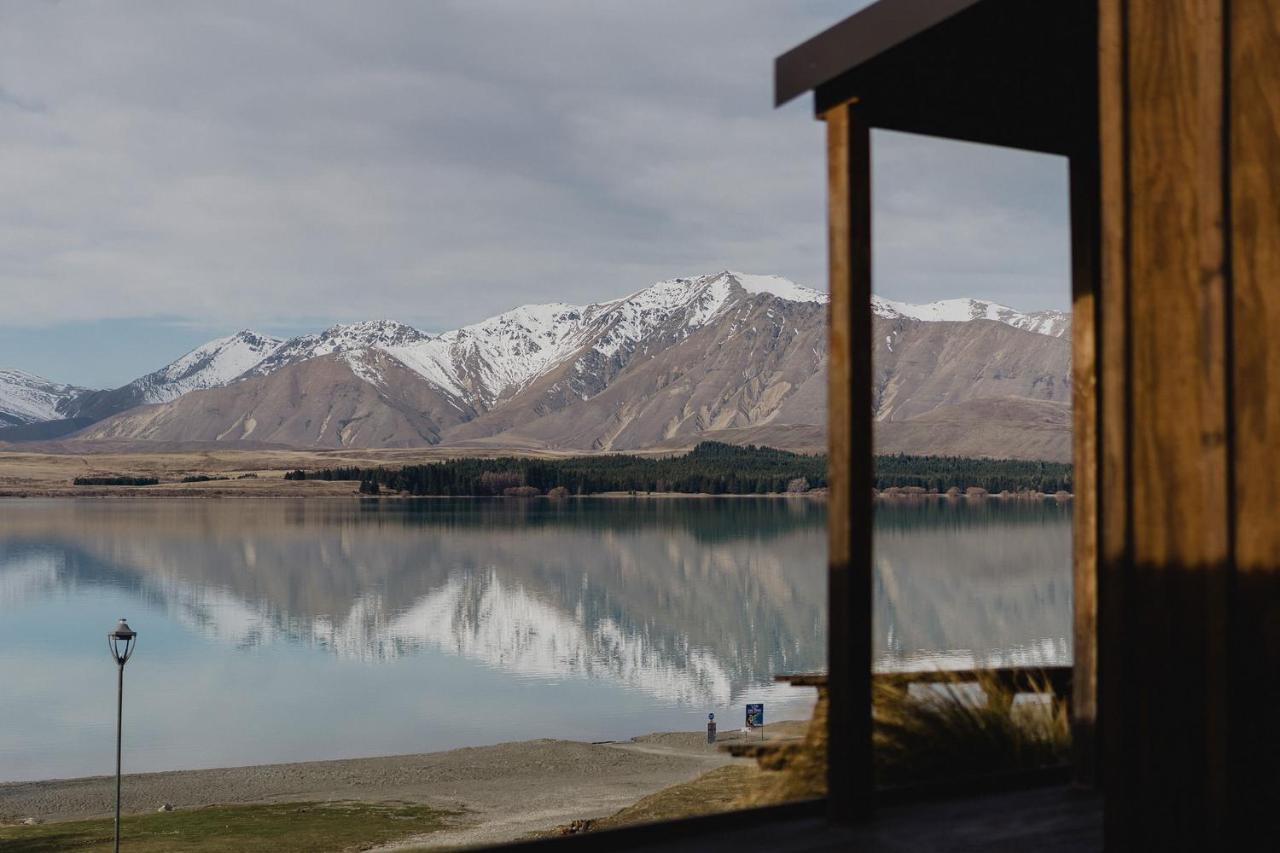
<point x="1188" y="355"/>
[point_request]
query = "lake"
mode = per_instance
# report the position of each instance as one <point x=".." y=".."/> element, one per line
<point x="290" y="630"/>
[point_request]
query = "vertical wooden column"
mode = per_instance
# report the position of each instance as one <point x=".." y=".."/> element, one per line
<point x="1254" y="219"/>
<point x="850" y="479"/>
<point x="1112" y="376"/>
<point x="1190" y="421"/>
<point x="1084" y="364"/>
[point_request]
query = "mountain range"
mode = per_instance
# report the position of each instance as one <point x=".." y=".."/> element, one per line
<point x="730" y="356"/>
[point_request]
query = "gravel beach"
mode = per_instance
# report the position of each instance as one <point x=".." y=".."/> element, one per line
<point x="504" y="791"/>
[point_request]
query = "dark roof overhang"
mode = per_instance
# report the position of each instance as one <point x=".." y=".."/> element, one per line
<point x="1019" y="73"/>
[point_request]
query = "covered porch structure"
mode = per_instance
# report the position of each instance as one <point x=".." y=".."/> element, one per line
<point x="1169" y="114"/>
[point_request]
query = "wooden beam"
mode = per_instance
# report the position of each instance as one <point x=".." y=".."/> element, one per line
<point x="1113" y="540"/>
<point x="1084" y="392"/>
<point x="849" y="503"/>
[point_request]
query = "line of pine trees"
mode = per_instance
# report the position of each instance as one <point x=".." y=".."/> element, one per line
<point x="710" y="468"/>
<point x="940" y="473"/>
<point x="115" y="481"/>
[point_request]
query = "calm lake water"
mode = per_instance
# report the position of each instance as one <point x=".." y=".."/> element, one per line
<point x="283" y="630"/>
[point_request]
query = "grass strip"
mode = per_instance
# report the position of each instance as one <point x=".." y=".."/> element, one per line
<point x="274" y="827"/>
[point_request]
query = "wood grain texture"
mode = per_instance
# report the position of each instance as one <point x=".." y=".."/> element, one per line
<point x="1168" y="562"/>
<point x="1255" y="217"/>
<point x="1112" y="401"/>
<point x="849" y="504"/>
<point x="1254" y="182"/>
<point x="1084" y="409"/>
<point x="1176" y="282"/>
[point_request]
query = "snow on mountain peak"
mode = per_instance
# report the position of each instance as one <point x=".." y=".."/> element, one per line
<point x="207" y="366"/>
<point x="481" y="364"/>
<point x="778" y="286"/>
<point x="349" y="340"/>
<point x="27" y="398"/>
<point x="343" y="337"/>
<point x="1052" y="323"/>
<point x="499" y="354"/>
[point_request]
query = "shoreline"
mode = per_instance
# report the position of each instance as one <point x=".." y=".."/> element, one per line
<point x="193" y="494"/>
<point x="504" y="791"/>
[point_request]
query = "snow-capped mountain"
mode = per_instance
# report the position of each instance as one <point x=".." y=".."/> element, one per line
<point x="1053" y="323"/>
<point x="26" y="398"/>
<point x="347" y="339"/>
<point x="499" y="357"/>
<point x="208" y="366"/>
<point x="729" y="353"/>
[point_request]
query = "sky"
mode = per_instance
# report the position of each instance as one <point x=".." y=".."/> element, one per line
<point x="173" y="172"/>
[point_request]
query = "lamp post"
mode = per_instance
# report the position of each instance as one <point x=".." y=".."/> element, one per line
<point x="121" y="641"/>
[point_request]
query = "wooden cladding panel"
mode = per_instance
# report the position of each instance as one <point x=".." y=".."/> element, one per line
<point x="1255" y="219"/>
<point x="1254" y="183"/>
<point x="1166" y="424"/>
<point x="1176" y="283"/>
<point x="1112" y="418"/>
<point x="1084" y="275"/>
<point x="1189" y="420"/>
<point x="849" y="504"/>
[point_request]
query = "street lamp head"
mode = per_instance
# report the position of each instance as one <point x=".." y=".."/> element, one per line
<point x="121" y="641"/>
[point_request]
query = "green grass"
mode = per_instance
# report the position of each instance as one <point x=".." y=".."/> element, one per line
<point x="278" y="828"/>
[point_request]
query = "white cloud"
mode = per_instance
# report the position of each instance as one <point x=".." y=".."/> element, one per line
<point x="256" y="162"/>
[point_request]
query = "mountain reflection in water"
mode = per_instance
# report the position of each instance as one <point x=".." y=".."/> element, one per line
<point x="455" y="622"/>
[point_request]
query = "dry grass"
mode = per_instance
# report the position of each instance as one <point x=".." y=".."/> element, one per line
<point x="950" y="729"/>
<point x="960" y="729"/>
<point x="37" y="473"/>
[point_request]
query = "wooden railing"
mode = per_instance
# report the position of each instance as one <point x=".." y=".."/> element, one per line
<point x="1018" y="679"/>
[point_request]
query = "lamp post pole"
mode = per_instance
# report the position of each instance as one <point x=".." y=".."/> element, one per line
<point x="119" y="738"/>
<point x="121" y="642"/>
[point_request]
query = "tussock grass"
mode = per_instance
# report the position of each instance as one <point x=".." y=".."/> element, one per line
<point x="955" y="729"/>
<point x="947" y="729"/>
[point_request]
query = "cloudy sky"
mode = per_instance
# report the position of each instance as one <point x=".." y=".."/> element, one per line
<point x="171" y="172"/>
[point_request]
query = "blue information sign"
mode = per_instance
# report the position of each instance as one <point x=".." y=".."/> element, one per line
<point x="755" y="716"/>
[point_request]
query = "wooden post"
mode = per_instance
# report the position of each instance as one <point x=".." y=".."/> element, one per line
<point x="1084" y="387"/>
<point x="1112" y="376"/>
<point x="849" y="502"/>
<point x="1253" y="182"/>
<point x="1166" y="534"/>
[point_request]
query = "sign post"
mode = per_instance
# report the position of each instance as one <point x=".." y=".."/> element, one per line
<point x="711" y="728"/>
<point x="755" y="718"/>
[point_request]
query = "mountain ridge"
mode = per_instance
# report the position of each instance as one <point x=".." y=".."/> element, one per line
<point x="728" y="352"/>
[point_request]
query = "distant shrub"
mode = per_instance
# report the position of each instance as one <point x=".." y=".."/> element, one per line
<point x="115" y="481"/>
<point x="370" y="487"/>
<point x="202" y="478"/>
<point x="559" y="492"/>
<point x="976" y="492"/>
<point x="497" y="482"/>
<point x="249" y="476"/>
<point x="798" y="486"/>
<point x="522" y="491"/>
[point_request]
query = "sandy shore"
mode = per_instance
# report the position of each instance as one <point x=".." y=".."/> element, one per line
<point x="504" y="791"/>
